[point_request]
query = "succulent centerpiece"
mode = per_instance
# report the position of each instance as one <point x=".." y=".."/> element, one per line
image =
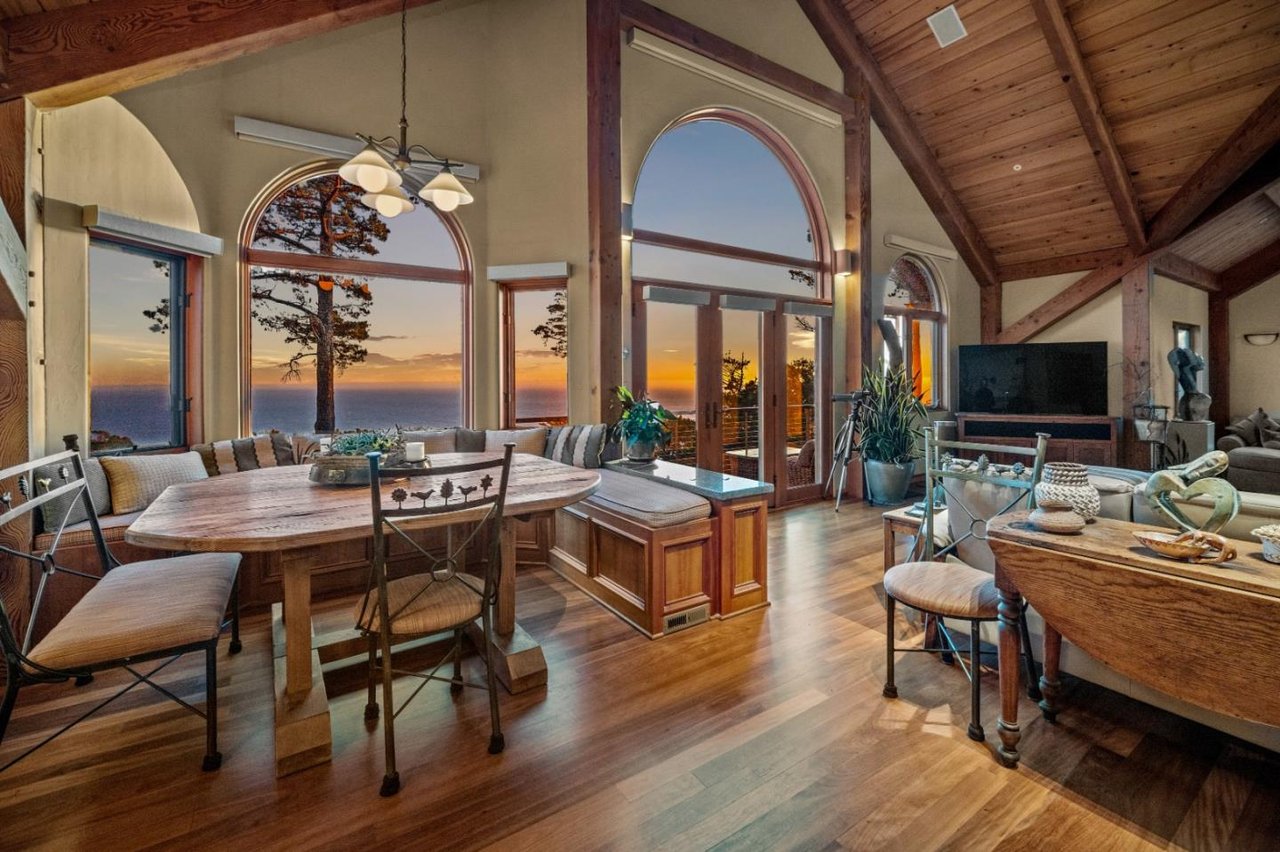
<point x="347" y="463"/>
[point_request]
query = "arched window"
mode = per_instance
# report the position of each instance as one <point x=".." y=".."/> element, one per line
<point x="912" y="303"/>
<point x="355" y="321"/>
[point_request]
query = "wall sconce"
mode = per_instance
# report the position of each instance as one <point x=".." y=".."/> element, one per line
<point x="844" y="263"/>
<point x="628" y="231"/>
<point x="1262" y="338"/>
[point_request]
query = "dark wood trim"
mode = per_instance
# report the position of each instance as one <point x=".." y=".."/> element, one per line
<point x="1136" y="371"/>
<point x="992" y="312"/>
<point x="844" y="42"/>
<point x="672" y="241"/>
<point x="351" y="266"/>
<point x="604" y="190"/>
<point x="193" y="357"/>
<point x="1081" y="262"/>
<point x="507" y="291"/>
<point x="74" y="54"/>
<point x="1184" y="271"/>
<point x="1244" y="275"/>
<point x="918" y="313"/>
<point x="1244" y="147"/>
<point x="1219" y="358"/>
<point x="857" y="240"/>
<point x="1084" y="97"/>
<point x="651" y="19"/>
<point x="1069" y="301"/>
<point x="13" y="169"/>
<point x="641" y="281"/>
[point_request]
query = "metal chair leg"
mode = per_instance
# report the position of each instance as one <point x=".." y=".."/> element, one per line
<point x="391" y="778"/>
<point x="235" y="646"/>
<point x="890" y="688"/>
<point x="497" y="742"/>
<point x="1033" y="682"/>
<point x="212" y="757"/>
<point x="456" y="687"/>
<point x="371" y="706"/>
<point x="975" y="682"/>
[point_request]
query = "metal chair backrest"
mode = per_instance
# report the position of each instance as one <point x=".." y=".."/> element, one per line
<point x="943" y="469"/>
<point x="39" y="483"/>
<point x="439" y="492"/>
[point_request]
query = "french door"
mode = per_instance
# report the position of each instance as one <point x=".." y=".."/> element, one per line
<point x="747" y="377"/>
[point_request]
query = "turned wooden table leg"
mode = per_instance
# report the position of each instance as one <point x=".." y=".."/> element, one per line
<point x="1010" y="645"/>
<point x="1050" y="685"/>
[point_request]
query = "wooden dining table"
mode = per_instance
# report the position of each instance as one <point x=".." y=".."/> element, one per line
<point x="279" y="510"/>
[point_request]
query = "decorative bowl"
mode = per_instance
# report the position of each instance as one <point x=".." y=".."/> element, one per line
<point x="1187" y="546"/>
<point x="1270" y="538"/>
<point x="343" y="470"/>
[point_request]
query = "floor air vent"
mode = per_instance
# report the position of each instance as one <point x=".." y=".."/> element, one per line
<point x="688" y="618"/>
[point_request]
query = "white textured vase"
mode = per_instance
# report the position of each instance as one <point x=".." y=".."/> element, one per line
<point x="1068" y="482"/>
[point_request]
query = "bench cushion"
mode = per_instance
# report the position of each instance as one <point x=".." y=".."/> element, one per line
<point x="142" y="608"/>
<point x="649" y="503"/>
<point x="75" y="535"/>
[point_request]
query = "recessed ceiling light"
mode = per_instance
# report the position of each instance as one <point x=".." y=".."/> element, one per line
<point x="946" y="25"/>
<point x="1017" y="167"/>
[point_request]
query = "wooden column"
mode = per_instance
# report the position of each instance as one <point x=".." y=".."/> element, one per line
<point x="604" y="187"/>
<point x="857" y="239"/>
<point x="13" y="162"/>
<point x="1136" y="321"/>
<point x="992" y="312"/>
<point x="1219" y="357"/>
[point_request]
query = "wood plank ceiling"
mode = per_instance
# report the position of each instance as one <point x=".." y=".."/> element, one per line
<point x="1173" y="78"/>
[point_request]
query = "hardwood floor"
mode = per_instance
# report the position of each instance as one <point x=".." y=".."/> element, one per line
<point x="765" y="731"/>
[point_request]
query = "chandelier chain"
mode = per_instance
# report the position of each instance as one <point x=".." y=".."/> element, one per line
<point x="404" y="63"/>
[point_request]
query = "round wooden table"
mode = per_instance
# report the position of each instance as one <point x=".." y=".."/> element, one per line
<point x="278" y="509"/>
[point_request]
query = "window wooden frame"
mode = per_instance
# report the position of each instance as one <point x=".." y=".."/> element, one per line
<point x="248" y="257"/>
<point x="938" y="316"/>
<point x="508" y="290"/>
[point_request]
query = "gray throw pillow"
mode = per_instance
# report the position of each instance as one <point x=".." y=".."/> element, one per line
<point x="50" y="514"/>
<point x="470" y="440"/>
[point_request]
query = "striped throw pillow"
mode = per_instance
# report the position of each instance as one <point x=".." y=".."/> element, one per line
<point x="246" y="453"/>
<point x="579" y="446"/>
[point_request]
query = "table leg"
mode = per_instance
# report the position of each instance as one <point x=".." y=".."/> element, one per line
<point x="1010" y="644"/>
<point x="890" y="546"/>
<point x="1050" y="685"/>
<point x="303" y="737"/>
<point x="517" y="656"/>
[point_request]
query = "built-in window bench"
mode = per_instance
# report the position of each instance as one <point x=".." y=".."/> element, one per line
<point x="666" y="546"/>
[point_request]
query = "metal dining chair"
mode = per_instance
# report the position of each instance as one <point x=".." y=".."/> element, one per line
<point x="157" y="609"/>
<point x="943" y="582"/>
<point x="438" y="596"/>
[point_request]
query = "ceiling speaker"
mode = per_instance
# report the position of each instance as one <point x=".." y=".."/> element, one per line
<point x="947" y="26"/>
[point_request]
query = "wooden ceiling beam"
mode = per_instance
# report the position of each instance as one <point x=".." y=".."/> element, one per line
<point x="1097" y="129"/>
<point x="1180" y="269"/>
<point x="837" y="31"/>
<point x="1070" y="300"/>
<point x="1242" y="149"/>
<point x="81" y="52"/>
<point x="1081" y="262"/>
<point x="1244" y="275"/>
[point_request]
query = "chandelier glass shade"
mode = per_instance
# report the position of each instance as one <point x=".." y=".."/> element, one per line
<point x="380" y="165"/>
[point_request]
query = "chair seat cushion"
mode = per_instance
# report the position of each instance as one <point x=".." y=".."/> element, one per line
<point x="420" y="605"/>
<point x="143" y="608"/>
<point x="946" y="588"/>
<point x="649" y="503"/>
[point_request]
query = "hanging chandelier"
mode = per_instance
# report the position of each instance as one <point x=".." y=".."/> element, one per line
<point x="380" y="166"/>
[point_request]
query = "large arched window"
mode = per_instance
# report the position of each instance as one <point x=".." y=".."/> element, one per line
<point x="354" y="321"/>
<point x="913" y="304"/>
<point x="730" y="262"/>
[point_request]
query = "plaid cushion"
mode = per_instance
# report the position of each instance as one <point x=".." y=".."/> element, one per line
<point x="250" y="453"/>
<point x="580" y="446"/>
<point x="138" y="480"/>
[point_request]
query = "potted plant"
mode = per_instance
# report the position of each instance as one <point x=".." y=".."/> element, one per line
<point x="642" y="426"/>
<point x="890" y="426"/>
<point x="346" y="462"/>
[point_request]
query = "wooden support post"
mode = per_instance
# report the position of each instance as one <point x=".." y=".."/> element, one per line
<point x="992" y="312"/>
<point x="15" y="584"/>
<point x="857" y="239"/>
<point x="604" y="187"/>
<point x="1219" y="358"/>
<point x="1136" y="311"/>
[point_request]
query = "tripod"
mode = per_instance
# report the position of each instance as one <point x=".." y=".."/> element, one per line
<point x="846" y="447"/>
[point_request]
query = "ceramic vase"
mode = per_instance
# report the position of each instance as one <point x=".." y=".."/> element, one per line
<point x="1069" y="482"/>
<point x="641" y="452"/>
<point x="1056" y="516"/>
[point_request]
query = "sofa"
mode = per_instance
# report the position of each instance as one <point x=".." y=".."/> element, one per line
<point x="1252" y="445"/>
<point x="629" y="522"/>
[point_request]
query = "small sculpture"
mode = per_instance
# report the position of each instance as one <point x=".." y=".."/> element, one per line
<point x="1195" y="546"/>
<point x="1189" y="480"/>
<point x="1186" y="364"/>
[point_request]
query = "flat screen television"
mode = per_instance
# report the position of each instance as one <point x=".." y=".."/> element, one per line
<point x="1034" y="378"/>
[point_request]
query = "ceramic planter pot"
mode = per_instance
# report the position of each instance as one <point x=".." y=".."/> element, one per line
<point x="887" y="483"/>
<point x="641" y="452"/>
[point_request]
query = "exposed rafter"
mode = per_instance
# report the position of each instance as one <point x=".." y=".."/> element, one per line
<point x="1180" y="269"/>
<point x="1084" y="97"/>
<point x="82" y="52"/>
<point x="846" y="45"/>
<point x="1082" y="262"/>
<point x="1244" y="275"/>
<point x="1233" y="158"/>
<point x="1070" y="300"/>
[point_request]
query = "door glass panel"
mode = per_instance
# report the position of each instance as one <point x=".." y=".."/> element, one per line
<point x="671" y="373"/>
<point x="540" y="371"/>
<point x="740" y="394"/>
<point x="801" y="412"/>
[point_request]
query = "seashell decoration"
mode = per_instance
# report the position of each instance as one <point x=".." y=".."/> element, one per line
<point x="1069" y="482"/>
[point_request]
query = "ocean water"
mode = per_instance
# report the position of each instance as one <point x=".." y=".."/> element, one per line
<point x="141" y="412"/>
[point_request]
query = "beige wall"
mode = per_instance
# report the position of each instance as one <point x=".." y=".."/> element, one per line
<point x="93" y="153"/>
<point x="1255" y="370"/>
